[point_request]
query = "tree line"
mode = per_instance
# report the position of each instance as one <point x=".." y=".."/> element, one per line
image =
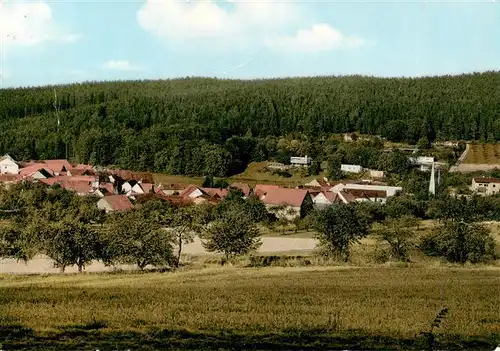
<point x="209" y="126"/>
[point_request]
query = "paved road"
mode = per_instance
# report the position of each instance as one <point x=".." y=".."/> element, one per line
<point x="42" y="264"/>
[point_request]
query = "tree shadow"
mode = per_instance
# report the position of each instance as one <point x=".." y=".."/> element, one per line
<point x="92" y="337"/>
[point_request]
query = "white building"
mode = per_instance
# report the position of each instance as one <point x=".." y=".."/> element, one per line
<point x="8" y="165"/>
<point x="300" y="161"/>
<point x="485" y="185"/>
<point x="390" y="190"/>
<point x="423" y="162"/>
<point x="376" y="174"/>
<point x="351" y="168"/>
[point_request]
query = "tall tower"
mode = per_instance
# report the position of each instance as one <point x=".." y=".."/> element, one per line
<point x="432" y="182"/>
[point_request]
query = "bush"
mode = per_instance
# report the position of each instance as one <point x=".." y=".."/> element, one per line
<point x="460" y="242"/>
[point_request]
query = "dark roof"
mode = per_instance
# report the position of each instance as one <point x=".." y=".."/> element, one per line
<point x="486" y="180"/>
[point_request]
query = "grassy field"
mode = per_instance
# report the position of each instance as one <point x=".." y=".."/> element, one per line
<point x="269" y="308"/>
<point x="483" y="154"/>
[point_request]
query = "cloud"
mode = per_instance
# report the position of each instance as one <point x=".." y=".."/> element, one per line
<point x="319" y="37"/>
<point x="120" y="65"/>
<point x="234" y="23"/>
<point x="30" y="23"/>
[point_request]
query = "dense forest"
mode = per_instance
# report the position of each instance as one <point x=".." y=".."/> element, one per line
<point x="202" y="126"/>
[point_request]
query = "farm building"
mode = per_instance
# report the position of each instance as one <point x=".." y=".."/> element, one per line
<point x="287" y="203"/>
<point x="114" y="203"/>
<point x="485" y="185"/>
<point x="351" y="168"/>
<point x="8" y="165"/>
<point x="300" y="161"/>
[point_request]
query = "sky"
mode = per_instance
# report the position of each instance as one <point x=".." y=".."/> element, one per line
<point x="45" y="42"/>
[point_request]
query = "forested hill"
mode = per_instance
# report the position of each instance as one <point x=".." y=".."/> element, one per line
<point x="149" y="124"/>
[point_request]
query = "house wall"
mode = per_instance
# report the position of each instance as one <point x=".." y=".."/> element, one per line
<point x="351" y="168"/>
<point x="102" y="204"/>
<point x="390" y="190"/>
<point x="485" y="188"/>
<point x="320" y="201"/>
<point x="126" y="187"/>
<point x="376" y="174"/>
<point x="289" y="212"/>
<point x="137" y="189"/>
<point x="8" y="167"/>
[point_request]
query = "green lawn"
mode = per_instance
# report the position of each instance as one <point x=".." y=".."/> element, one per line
<point x="269" y="308"/>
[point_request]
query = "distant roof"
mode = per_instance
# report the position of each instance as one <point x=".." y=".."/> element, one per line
<point x="245" y="188"/>
<point x="346" y="197"/>
<point x="486" y="180"/>
<point x="262" y="189"/>
<point x="214" y="192"/>
<point x="380" y="194"/>
<point x="284" y="196"/>
<point x="118" y="202"/>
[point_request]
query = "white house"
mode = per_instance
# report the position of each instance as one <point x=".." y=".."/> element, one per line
<point x="423" y="162"/>
<point x="300" y="161"/>
<point x="376" y="174"/>
<point x="325" y="199"/>
<point x="390" y="190"/>
<point x="8" y="165"/>
<point x="485" y="185"/>
<point x="351" y="168"/>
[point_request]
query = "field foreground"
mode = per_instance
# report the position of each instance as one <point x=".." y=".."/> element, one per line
<point x="265" y="309"/>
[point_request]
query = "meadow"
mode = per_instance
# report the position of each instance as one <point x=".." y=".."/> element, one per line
<point x="385" y="307"/>
<point x="483" y="154"/>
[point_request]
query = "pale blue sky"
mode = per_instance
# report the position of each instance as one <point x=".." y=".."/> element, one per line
<point x="51" y="42"/>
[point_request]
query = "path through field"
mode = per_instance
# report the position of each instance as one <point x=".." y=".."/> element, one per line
<point x="42" y="264"/>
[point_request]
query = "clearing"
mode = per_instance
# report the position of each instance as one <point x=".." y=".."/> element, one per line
<point x="483" y="154"/>
<point x="312" y="308"/>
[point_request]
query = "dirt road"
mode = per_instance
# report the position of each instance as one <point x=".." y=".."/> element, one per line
<point x="41" y="264"/>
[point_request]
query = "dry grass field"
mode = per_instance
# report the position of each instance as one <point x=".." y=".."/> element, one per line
<point x="268" y="308"/>
<point x="483" y="154"/>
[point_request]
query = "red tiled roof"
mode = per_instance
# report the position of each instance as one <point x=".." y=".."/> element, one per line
<point x="346" y="197"/>
<point x="177" y="186"/>
<point x="284" y="196"/>
<point x="129" y="175"/>
<point x="118" y="202"/>
<point x="58" y="165"/>
<point x="146" y="187"/>
<point x="188" y="190"/>
<point x="10" y="177"/>
<point x="486" y="180"/>
<point x="245" y="188"/>
<point x="32" y="168"/>
<point x="262" y="189"/>
<point x="178" y="200"/>
<point x="214" y="192"/>
<point x="330" y="196"/>
<point x="107" y="186"/>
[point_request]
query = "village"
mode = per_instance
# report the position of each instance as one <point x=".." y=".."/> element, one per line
<point x="119" y="189"/>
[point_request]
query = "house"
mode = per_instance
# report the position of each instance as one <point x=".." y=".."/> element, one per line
<point x="10" y="178"/>
<point x="8" y="165"/>
<point x="170" y="189"/>
<point x="485" y="185"/>
<point x="423" y="162"/>
<point x="262" y="189"/>
<point x="300" y="161"/>
<point x="318" y="182"/>
<point x="58" y="167"/>
<point x="376" y="174"/>
<point x="36" y="171"/>
<point x="286" y="202"/>
<point x="243" y="187"/>
<point x="215" y="192"/>
<point x="115" y="203"/>
<point x="346" y="198"/>
<point x="368" y="195"/>
<point x="325" y="199"/>
<point x="389" y="190"/>
<point x="351" y="168"/>
<point x="192" y="192"/>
